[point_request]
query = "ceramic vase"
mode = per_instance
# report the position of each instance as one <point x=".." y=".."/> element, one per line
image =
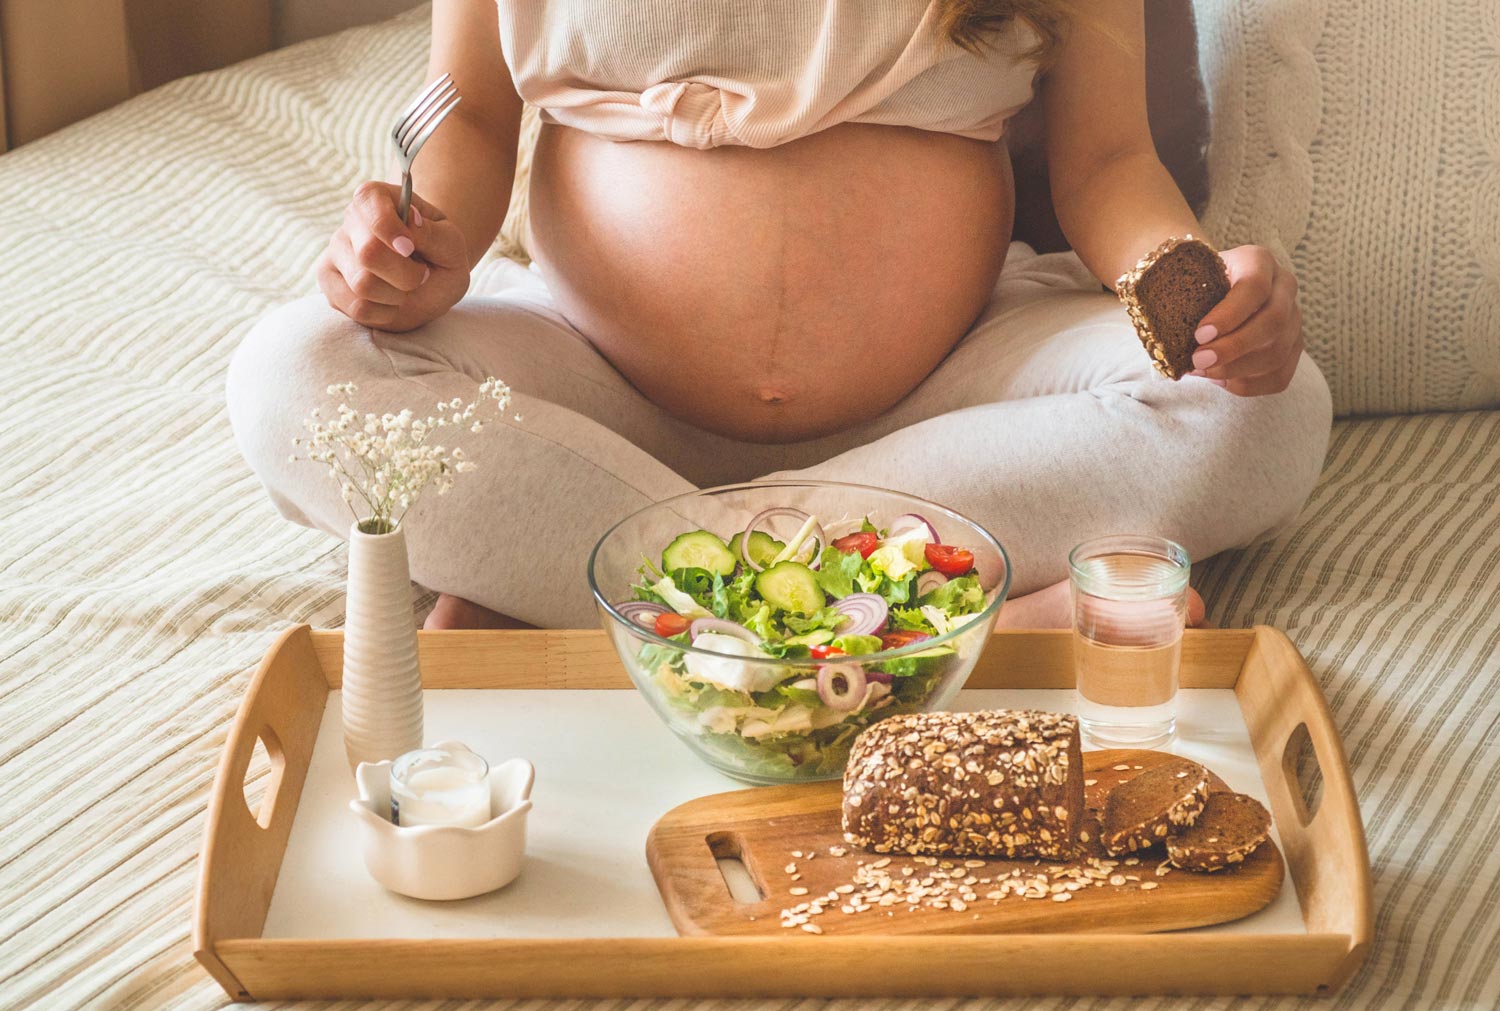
<point x="382" y="690"/>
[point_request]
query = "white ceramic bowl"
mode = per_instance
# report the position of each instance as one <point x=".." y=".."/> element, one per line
<point x="444" y="862"/>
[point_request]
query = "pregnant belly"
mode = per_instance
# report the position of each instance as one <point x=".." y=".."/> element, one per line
<point x="772" y="295"/>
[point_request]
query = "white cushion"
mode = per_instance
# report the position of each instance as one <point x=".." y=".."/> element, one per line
<point x="1361" y="141"/>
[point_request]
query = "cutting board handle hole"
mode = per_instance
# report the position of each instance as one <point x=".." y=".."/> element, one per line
<point x="1303" y="774"/>
<point x="728" y="854"/>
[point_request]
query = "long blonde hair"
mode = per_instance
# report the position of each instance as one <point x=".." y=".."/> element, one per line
<point x="970" y="23"/>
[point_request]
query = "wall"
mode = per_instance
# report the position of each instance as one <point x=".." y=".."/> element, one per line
<point x="306" y="19"/>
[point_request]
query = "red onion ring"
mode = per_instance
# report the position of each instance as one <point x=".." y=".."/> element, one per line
<point x="723" y="627"/>
<point x="854" y="681"/>
<point x="865" y="614"/>
<point x="910" y="521"/>
<point x="640" y="612"/>
<point x="767" y="514"/>
<point x="880" y="676"/>
<point x="929" y="581"/>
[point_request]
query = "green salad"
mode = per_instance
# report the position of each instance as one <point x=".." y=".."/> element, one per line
<point x="752" y="600"/>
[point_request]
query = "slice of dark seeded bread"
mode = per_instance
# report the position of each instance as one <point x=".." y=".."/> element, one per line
<point x="1000" y="783"/>
<point x="1167" y="295"/>
<point x="1230" y="828"/>
<point x="1142" y="810"/>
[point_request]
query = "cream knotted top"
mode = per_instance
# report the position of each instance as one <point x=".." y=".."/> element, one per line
<point x="758" y="73"/>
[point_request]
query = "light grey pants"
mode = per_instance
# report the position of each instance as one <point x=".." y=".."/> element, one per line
<point x="1046" y="424"/>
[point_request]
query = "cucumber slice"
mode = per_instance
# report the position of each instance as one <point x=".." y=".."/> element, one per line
<point x="817" y="637"/>
<point x="791" y="586"/>
<point x="763" y="548"/>
<point x="698" y="549"/>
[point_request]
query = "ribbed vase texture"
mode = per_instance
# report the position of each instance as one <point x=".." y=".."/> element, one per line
<point x="382" y="691"/>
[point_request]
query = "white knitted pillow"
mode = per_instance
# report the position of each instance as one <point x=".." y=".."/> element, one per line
<point x="1360" y="139"/>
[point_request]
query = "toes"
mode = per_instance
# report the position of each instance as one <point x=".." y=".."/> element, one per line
<point x="1197" y="616"/>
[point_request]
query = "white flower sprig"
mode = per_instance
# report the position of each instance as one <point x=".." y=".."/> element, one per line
<point x="386" y="460"/>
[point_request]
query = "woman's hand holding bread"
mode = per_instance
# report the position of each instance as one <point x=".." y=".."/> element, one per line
<point x="1251" y="341"/>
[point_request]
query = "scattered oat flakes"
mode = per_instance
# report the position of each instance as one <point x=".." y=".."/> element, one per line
<point x="812" y="928"/>
<point x="798" y="890"/>
<point x="1062" y="896"/>
<point x="1146" y="886"/>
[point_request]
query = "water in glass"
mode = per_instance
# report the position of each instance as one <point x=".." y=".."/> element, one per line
<point x="1129" y="608"/>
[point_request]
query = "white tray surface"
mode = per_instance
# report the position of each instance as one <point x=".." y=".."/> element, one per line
<point x="606" y="769"/>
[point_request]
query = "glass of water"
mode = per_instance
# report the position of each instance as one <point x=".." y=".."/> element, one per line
<point x="1129" y="610"/>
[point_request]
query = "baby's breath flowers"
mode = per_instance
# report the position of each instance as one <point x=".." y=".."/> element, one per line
<point x="386" y="460"/>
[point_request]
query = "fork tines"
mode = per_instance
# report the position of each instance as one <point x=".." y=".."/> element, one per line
<point x="423" y="115"/>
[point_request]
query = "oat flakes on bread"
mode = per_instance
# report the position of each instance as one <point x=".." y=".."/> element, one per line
<point x="1140" y="812"/>
<point x="1167" y="293"/>
<point x="999" y="783"/>
<point x="1231" y="827"/>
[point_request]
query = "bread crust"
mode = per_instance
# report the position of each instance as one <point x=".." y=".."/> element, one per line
<point x="1166" y="331"/>
<point x="1231" y="827"/>
<point x="1000" y="783"/>
<point x="1134" y="819"/>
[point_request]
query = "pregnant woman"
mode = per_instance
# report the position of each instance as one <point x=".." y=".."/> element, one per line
<point x="772" y="239"/>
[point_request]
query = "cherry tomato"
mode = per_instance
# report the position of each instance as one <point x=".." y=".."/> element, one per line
<point x="901" y="637"/>
<point x="865" y="542"/>
<point x="948" y="560"/>
<point x="824" y="652"/>
<point x="669" y="624"/>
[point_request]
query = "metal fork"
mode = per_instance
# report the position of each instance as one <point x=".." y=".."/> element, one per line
<point x="424" y="115"/>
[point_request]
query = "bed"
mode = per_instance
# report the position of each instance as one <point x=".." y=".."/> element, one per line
<point x="144" y="572"/>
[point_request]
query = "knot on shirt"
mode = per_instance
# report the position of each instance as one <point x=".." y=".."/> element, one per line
<point x="692" y="113"/>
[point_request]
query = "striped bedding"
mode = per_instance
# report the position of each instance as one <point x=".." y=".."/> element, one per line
<point x="144" y="572"/>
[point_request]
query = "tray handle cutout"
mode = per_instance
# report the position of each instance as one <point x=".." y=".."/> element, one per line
<point x="743" y="885"/>
<point x="262" y="776"/>
<point x="1304" y="773"/>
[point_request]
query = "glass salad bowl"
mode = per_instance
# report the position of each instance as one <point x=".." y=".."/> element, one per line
<point x="769" y="623"/>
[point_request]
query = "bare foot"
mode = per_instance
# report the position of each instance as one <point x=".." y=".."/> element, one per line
<point x="1052" y="607"/>
<point x="456" y="612"/>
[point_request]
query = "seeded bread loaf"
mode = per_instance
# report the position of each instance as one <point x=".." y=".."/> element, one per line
<point x="1002" y="783"/>
<point x="1167" y="295"/>
<point x="1142" y="810"/>
<point x="1231" y="827"/>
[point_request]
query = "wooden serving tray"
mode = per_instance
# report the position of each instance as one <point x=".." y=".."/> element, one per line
<point x="776" y="832"/>
<point x="283" y="708"/>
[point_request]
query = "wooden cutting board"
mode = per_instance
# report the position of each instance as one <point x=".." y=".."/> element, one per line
<point x="766" y="829"/>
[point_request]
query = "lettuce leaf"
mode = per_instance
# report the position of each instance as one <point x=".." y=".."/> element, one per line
<point x="837" y="571"/>
<point x="858" y="645"/>
<point x="823" y="617"/>
<point x="910" y="619"/>
<point x="963" y="595"/>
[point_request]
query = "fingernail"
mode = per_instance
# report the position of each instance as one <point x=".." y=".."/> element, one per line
<point x="426" y="273"/>
<point x="1203" y="359"/>
<point x="416" y="217"/>
<point x="404" y="246"/>
<point x="1204" y="334"/>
